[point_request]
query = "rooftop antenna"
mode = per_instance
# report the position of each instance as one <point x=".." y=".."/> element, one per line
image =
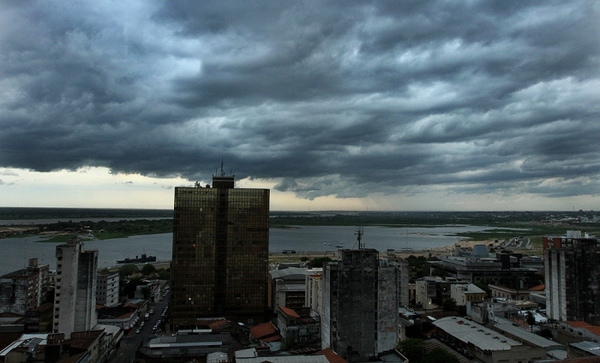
<point x="359" y="233"/>
<point x="222" y="171"/>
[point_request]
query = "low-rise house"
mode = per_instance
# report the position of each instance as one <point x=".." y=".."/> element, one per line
<point x="123" y="316"/>
<point x="301" y="326"/>
<point x="508" y="293"/>
<point x="486" y="345"/>
<point x="84" y="346"/>
<point x="266" y="334"/>
<point x="466" y="293"/>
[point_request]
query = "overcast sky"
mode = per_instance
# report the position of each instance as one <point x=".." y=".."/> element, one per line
<point x="385" y="105"/>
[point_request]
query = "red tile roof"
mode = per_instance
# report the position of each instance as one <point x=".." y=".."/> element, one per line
<point x="331" y="356"/>
<point x="594" y="329"/>
<point x="541" y="287"/>
<point x="263" y="330"/>
<point x="578" y="324"/>
<point x="289" y="312"/>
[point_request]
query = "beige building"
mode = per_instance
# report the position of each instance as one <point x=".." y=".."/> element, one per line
<point x="466" y="293"/>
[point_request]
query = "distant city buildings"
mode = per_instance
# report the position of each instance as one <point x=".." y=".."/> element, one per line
<point x="572" y="275"/>
<point x="75" y="292"/>
<point x="220" y="253"/>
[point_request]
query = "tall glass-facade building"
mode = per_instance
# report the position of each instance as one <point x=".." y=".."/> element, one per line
<point x="220" y="253"/>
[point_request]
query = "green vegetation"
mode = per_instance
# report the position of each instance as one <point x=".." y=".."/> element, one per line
<point x="318" y="262"/>
<point x="61" y="238"/>
<point x="18" y="213"/>
<point x="418" y="266"/>
<point x="106" y="230"/>
<point x="437" y="355"/>
<point x="449" y="304"/>
<point x="503" y="225"/>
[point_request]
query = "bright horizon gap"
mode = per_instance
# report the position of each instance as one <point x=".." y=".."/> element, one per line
<point x="99" y="188"/>
<point x="331" y="211"/>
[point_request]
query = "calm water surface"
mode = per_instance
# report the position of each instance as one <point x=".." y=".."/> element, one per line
<point x="15" y="252"/>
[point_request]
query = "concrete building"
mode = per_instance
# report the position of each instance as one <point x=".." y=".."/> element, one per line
<point x="465" y="294"/>
<point x="220" y="253"/>
<point x="287" y="287"/>
<point x="301" y="326"/>
<point x="508" y="293"/>
<point x="360" y="305"/>
<point x="75" y="293"/>
<point x="24" y="290"/>
<point x="503" y="269"/>
<point x="431" y="291"/>
<point x="314" y="292"/>
<point x="403" y="277"/>
<point x="107" y="289"/>
<point x="572" y="277"/>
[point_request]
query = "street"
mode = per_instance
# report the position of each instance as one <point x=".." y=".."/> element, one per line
<point x="131" y="342"/>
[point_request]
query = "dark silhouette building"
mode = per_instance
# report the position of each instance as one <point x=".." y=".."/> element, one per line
<point x="220" y="253"/>
<point x="573" y="277"/>
<point x="360" y="305"/>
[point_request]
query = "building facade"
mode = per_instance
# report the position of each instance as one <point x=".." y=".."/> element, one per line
<point x="353" y="286"/>
<point x="24" y="290"/>
<point x="75" y="292"/>
<point x="220" y="253"/>
<point x="107" y="291"/>
<point x="572" y="275"/>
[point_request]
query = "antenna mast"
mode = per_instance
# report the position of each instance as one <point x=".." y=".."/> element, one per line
<point x="359" y="233"/>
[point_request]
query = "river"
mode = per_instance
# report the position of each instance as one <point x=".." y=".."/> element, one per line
<point x="15" y="252"/>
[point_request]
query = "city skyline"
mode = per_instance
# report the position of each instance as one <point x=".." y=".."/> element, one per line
<point x="415" y="106"/>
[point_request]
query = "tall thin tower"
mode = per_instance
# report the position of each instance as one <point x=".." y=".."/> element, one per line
<point x="75" y="293"/>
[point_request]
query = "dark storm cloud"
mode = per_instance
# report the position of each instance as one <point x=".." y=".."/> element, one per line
<point x="335" y="98"/>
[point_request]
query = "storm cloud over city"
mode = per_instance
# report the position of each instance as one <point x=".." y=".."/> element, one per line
<point x="415" y="105"/>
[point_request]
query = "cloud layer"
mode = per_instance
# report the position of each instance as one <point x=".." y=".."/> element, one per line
<point x="329" y="98"/>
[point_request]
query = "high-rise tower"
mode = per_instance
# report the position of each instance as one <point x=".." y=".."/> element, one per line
<point x="360" y="305"/>
<point x="572" y="270"/>
<point x="75" y="294"/>
<point x="220" y="252"/>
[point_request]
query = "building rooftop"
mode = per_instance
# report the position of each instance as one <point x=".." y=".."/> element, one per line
<point x="589" y="347"/>
<point x="474" y="333"/>
<point x="263" y="330"/>
<point x="293" y="273"/>
<point x="524" y="335"/>
<point x="289" y="312"/>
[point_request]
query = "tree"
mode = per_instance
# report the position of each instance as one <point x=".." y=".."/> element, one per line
<point x="146" y="292"/>
<point x="412" y="349"/>
<point x="128" y="270"/>
<point x="437" y="355"/>
<point x="449" y="304"/>
<point x="129" y="287"/>
<point x="148" y="269"/>
<point x="319" y="261"/>
<point x="164" y="274"/>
